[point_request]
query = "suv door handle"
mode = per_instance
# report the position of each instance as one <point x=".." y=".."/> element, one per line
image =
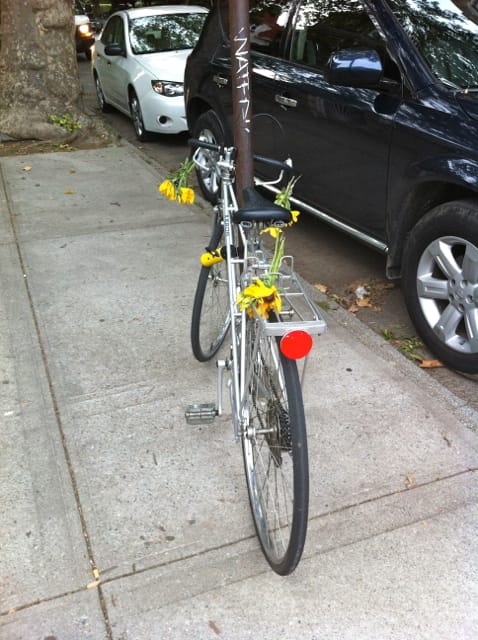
<point x="221" y="81"/>
<point x="284" y="101"/>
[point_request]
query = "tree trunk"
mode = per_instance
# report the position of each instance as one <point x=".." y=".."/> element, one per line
<point x="38" y="69"/>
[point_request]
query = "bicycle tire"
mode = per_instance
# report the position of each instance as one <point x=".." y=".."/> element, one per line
<point x="276" y="462"/>
<point x="211" y="314"/>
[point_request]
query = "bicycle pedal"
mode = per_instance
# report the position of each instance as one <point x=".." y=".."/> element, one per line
<point x="201" y="413"/>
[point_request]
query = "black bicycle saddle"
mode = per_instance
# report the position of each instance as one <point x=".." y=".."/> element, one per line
<point x="257" y="208"/>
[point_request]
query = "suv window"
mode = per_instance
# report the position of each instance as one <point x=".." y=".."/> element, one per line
<point x="446" y="36"/>
<point x="324" y="26"/>
<point x="267" y="20"/>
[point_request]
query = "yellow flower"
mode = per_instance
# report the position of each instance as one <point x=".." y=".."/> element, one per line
<point x="295" y="215"/>
<point x="167" y="189"/>
<point x="258" y="289"/>
<point x="186" y="195"/>
<point x="273" y="231"/>
<point x="260" y="297"/>
<point x="175" y="186"/>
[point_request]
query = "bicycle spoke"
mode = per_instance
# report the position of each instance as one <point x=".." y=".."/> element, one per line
<point x="211" y="315"/>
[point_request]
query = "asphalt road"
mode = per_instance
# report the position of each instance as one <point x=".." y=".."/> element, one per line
<point x="323" y="256"/>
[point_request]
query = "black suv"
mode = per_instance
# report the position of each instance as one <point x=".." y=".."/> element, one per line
<point x="376" y="101"/>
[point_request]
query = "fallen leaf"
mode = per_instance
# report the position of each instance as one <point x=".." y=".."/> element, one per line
<point x="212" y="625"/>
<point x="94" y="584"/>
<point x="69" y="192"/>
<point x="72" y="170"/>
<point x="410" y="482"/>
<point x="27" y="168"/>
<point x="353" y="308"/>
<point x="323" y="288"/>
<point x="363" y="302"/>
<point x="430" y="364"/>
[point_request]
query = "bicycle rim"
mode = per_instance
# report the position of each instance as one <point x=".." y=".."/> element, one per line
<point x="275" y="453"/>
<point x="211" y="315"/>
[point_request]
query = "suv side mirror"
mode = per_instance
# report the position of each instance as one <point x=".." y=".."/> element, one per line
<point x="354" y="68"/>
<point x="114" y="50"/>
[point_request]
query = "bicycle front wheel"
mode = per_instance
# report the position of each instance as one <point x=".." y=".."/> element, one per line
<point x="275" y="452"/>
<point x="211" y="315"/>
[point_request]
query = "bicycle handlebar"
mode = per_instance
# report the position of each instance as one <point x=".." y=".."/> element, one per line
<point x="195" y="142"/>
<point x="278" y="164"/>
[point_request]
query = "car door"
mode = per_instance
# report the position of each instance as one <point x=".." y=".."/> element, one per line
<point x="338" y="137"/>
<point x="112" y="70"/>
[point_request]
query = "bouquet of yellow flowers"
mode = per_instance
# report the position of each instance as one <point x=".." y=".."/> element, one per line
<point x="262" y="296"/>
<point x="176" y="187"/>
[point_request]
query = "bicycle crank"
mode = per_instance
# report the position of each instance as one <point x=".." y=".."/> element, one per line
<point x="205" y="413"/>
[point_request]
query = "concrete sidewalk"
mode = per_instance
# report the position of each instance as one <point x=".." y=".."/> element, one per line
<point x="101" y="476"/>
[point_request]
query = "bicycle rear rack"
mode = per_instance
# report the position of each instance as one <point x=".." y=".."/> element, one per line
<point x="298" y="312"/>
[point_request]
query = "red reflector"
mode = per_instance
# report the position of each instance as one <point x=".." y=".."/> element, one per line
<point x="296" y="344"/>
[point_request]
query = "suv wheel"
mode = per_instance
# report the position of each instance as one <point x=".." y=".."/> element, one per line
<point x="208" y="128"/>
<point x="440" y="282"/>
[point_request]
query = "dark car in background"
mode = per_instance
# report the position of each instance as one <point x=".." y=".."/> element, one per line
<point x="84" y="30"/>
<point x="376" y="102"/>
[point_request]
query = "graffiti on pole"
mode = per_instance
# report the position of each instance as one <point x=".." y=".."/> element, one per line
<point x="242" y="80"/>
<point x="239" y="28"/>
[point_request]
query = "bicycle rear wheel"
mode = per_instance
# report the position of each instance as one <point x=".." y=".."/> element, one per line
<point x="275" y="452"/>
<point x="211" y="315"/>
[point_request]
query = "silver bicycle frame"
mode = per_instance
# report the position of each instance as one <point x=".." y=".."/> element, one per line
<point x="228" y="204"/>
<point x="307" y="317"/>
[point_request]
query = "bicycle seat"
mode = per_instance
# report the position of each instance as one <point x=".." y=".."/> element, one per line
<point x="256" y="208"/>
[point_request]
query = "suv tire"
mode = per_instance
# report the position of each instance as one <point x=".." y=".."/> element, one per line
<point x="208" y="127"/>
<point x="440" y="282"/>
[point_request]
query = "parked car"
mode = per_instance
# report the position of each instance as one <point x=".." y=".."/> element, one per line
<point x="84" y="31"/>
<point x="376" y="102"/>
<point x="138" y="65"/>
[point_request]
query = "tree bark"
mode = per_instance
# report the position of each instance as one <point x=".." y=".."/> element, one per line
<point x="38" y="69"/>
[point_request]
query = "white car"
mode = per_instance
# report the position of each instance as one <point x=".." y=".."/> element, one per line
<point x="138" y="65"/>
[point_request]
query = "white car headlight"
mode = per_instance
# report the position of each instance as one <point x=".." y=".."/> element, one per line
<point x="166" y="88"/>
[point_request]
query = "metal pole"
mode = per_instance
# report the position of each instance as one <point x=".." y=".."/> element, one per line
<point x="239" y="30"/>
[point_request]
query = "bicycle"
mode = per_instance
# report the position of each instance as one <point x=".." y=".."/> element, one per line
<point x="264" y="384"/>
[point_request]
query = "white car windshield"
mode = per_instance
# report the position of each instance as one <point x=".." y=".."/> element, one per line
<point x="153" y="34"/>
